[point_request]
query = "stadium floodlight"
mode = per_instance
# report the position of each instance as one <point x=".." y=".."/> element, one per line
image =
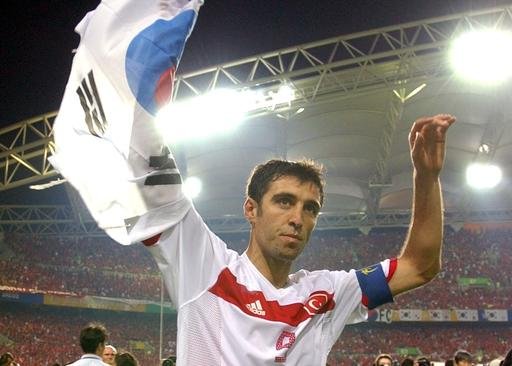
<point x="284" y="95"/>
<point x="214" y="113"/>
<point x="483" y="176"/>
<point x="484" y="149"/>
<point x="483" y="56"/>
<point x="192" y="187"/>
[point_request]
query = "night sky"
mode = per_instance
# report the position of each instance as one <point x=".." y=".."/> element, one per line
<point x="38" y="37"/>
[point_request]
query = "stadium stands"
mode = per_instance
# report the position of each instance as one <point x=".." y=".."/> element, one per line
<point x="41" y="335"/>
<point x="473" y="277"/>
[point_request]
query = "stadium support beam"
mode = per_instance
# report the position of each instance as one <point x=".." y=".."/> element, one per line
<point x="320" y="72"/>
<point x="24" y="151"/>
<point x="59" y="220"/>
<point x="381" y="177"/>
<point x="45" y="220"/>
<point x="349" y="63"/>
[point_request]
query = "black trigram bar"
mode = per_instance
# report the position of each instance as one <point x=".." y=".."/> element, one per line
<point x="91" y="103"/>
<point x="163" y="179"/>
<point x="164" y="161"/>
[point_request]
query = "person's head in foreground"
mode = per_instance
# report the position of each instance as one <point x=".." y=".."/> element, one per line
<point x="109" y="355"/>
<point x="125" y="359"/>
<point x="92" y="339"/>
<point x="383" y="359"/>
<point x="462" y="358"/>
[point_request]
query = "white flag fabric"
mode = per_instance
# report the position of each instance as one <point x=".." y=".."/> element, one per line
<point x="495" y="315"/>
<point x="439" y="315"/>
<point x="410" y="314"/>
<point x="466" y="315"/>
<point x="106" y="142"/>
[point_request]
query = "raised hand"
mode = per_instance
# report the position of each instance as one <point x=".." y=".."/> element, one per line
<point x="427" y="143"/>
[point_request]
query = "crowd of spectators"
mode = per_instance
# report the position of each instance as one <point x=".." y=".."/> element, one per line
<point x="437" y="342"/>
<point x="42" y="335"/>
<point x="85" y="266"/>
<point x="100" y="267"/>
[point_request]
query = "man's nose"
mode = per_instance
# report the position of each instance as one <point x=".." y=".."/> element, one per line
<point x="296" y="217"/>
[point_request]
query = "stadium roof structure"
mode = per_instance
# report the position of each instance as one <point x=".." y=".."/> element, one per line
<point x="356" y="98"/>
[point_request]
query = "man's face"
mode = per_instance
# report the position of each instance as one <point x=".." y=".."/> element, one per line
<point x="384" y="361"/>
<point x="109" y="356"/>
<point x="282" y="222"/>
<point x="464" y="363"/>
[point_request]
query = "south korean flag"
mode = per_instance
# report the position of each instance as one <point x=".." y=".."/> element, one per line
<point x="107" y="145"/>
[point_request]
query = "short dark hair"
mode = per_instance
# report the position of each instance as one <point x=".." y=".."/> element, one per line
<point x="126" y="359"/>
<point x="92" y="336"/>
<point x="422" y="361"/>
<point x="6" y="358"/>
<point x="407" y="362"/>
<point x="462" y="355"/>
<point x="263" y="174"/>
<point x="170" y="361"/>
<point x="508" y="359"/>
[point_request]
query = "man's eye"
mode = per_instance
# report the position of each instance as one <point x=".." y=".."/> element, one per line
<point x="284" y="201"/>
<point x="312" y="209"/>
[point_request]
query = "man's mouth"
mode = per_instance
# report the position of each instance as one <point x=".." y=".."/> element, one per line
<point x="292" y="237"/>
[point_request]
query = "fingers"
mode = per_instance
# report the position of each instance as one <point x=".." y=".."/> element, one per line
<point x="427" y="125"/>
<point x="417" y="145"/>
<point x="443" y="124"/>
<point x="427" y="143"/>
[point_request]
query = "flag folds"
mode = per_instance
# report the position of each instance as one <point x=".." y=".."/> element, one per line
<point x="106" y="142"/>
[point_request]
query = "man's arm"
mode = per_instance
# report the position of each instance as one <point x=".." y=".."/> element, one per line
<point x="420" y="258"/>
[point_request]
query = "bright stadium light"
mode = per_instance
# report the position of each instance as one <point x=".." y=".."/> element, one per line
<point x="214" y="113"/>
<point x="483" y="56"/>
<point x="285" y="94"/>
<point x="483" y="176"/>
<point x="192" y="187"/>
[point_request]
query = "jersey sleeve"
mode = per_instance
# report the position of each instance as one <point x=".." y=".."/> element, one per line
<point x="356" y="292"/>
<point x="190" y="258"/>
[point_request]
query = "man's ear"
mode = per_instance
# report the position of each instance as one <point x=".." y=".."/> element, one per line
<point x="250" y="209"/>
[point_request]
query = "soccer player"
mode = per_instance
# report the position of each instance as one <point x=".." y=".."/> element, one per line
<point x="232" y="309"/>
<point x="249" y="309"/>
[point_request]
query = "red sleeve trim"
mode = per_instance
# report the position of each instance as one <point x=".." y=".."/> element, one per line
<point x="152" y="241"/>
<point x="365" y="300"/>
<point x="393" y="262"/>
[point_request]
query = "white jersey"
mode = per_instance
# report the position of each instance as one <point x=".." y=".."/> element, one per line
<point x="230" y="314"/>
<point x="89" y="359"/>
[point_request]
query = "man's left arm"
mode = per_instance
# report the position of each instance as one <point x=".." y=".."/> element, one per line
<point x="420" y="259"/>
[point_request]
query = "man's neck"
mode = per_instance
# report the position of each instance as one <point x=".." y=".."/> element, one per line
<point x="99" y="352"/>
<point x="274" y="270"/>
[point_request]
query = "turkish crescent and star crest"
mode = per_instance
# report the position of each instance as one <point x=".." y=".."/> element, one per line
<point x="366" y="271"/>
